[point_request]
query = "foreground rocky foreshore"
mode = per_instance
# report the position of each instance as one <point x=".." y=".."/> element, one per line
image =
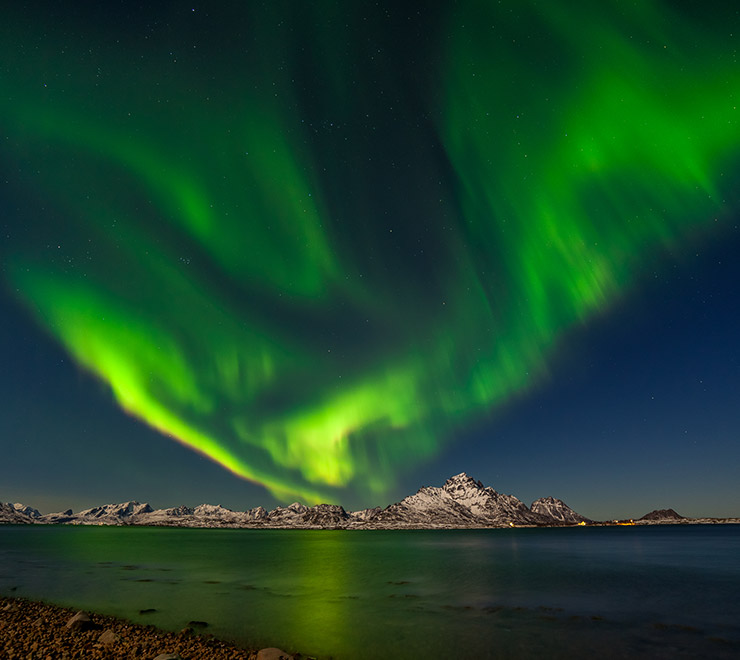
<point x="31" y="629"/>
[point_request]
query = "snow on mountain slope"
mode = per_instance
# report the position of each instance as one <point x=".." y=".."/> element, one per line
<point x="116" y="511"/>
<point x="462" y="502"/>
<point x="557" y="510"/>
<point x="26" y="510"/>
<point x="10" y="515"/>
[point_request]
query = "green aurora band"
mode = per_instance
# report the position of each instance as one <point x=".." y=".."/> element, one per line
<point x="291" y="247"/>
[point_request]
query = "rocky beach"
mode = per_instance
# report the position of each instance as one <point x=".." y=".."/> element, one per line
<point x="32" y="629"/>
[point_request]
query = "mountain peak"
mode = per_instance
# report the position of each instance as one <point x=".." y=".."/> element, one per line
<point x="662" y="514"/>
<point x="555" y="509"/>
<point x="461" y="480"/>
<point x="461" y="502"/>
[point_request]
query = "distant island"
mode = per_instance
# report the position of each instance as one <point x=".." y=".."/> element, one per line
<point x="461" y="503"/>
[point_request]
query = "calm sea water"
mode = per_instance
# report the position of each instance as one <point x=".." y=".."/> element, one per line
<point x="647" y="592"/>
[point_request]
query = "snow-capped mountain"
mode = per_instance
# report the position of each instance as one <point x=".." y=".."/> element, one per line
<point x="26" y="510"/>
<point x="9" y="514"/>
<point x="288" y="514"/>
<point x="108" y="514"/>
<point x="326" y="515"/>
<point x="462" y="502"/>
<point x="204" y="515"/>
<point x="124" y="510"/>
<point x="60" y="518"/>
<point x="365" y="514"/>
<point x="556" y="509"/>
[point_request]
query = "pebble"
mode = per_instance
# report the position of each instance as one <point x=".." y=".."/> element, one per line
<point x="108" y="637"/>
<point x="273" y="653"/>
<point x="80" y="621"/>
<point x="37" y="630"/>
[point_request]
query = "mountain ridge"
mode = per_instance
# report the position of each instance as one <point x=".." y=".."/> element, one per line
<point x="460" y="503"/>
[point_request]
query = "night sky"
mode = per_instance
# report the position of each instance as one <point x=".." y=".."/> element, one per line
<point x="333" y="251"/>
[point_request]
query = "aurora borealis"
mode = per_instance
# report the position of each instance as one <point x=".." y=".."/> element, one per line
<point x="316" y="242"/>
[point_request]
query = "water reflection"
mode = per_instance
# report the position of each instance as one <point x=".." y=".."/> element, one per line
<point x="364" y="595"/>
<point x="325" y="580"/>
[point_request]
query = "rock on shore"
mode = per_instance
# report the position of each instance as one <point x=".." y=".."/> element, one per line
<point x="29" y="629"/>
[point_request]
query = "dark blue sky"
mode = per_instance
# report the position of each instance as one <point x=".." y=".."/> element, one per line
<point x="640" y="411"/>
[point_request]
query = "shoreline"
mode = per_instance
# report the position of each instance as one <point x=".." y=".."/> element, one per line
<point x="33" y="628"/>
<point x="220" y="524"/>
